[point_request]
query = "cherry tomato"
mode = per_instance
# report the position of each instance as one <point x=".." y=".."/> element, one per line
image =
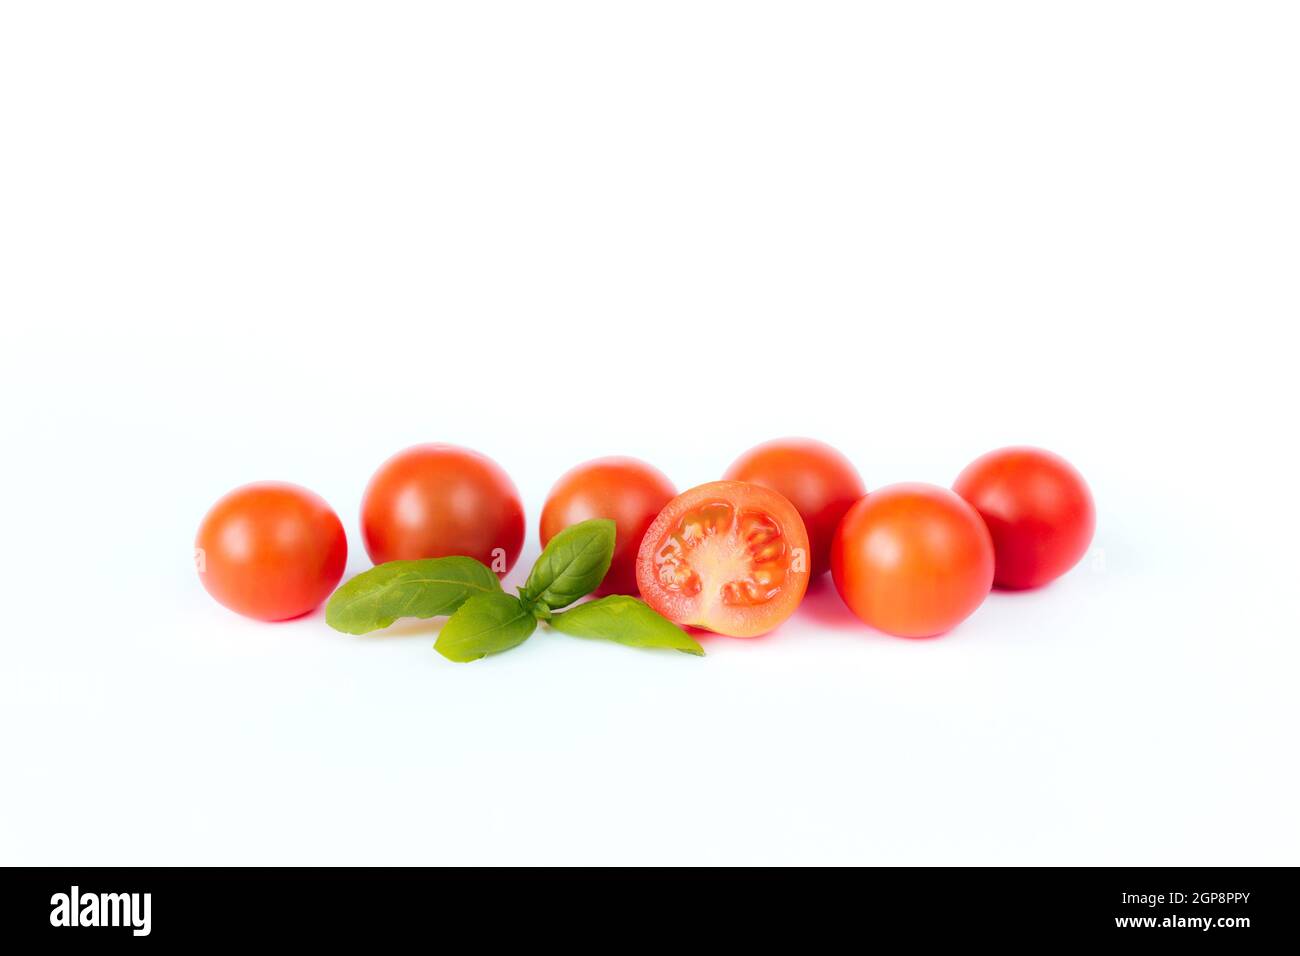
<point x="912" y="560"/>
<point x="820" y="482"/>
<point x="1038" y="510"/>
<point x="431" y="501"/>
<point x="728" y="556"/>
<point x="626" y="490"/>
<point x="271" y="550"/>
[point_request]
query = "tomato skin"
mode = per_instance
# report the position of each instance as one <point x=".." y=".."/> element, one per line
<point x="271" y="550"/>
<point x="436" y="500"/>
<point x="727" y="556"/>
<point x="819" y="481"/>
<point x="1038" y="509"/>
<point x="912" y="560"/>
<point x="627" y="490"/>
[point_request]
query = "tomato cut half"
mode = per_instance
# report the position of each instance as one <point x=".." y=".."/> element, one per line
<point x="727" y="556"/>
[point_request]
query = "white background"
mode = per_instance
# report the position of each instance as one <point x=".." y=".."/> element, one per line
<point x="284" y="240"/>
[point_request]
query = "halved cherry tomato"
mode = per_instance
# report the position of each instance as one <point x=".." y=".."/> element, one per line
<point x="435" y="500"/>
<point x="727" y="556"/>
<point x="912" y="560"/>
<point x="626" y="490"/>
<point x="1038" y="509"/>
<point x="820" y="482"/>
<point x="271" y="550"/>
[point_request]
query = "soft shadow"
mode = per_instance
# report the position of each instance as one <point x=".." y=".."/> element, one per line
<point x="823" y="604"/>
<point x="407" y="627"/>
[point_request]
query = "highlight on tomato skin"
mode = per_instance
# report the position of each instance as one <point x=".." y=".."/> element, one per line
<point x="626" y="490"/>
<point x="1038" y="509"/>
<point x="818" y="480"/>
<point x="727" y="556"/>
<point x="270" y="550"/>
<point x="912" y="560"/>
<point x="437" y="500"/>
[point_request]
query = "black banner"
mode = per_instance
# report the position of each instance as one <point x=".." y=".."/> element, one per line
<point x="146" y="907"/>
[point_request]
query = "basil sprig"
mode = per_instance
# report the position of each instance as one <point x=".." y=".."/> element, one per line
<point x="572" y="566"/>
<point x="625" y="620"/>
<point x="486" y="620"/>
<point x="485" y="624"/>
<point x="430" y="587"/>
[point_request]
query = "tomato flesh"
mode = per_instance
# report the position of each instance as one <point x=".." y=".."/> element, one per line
<point x="727" y="556"/>
<point x="819" y="481"/>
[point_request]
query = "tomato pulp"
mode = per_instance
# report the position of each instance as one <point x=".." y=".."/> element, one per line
<point x="1038" y="510"/>
<point x="727" y="556"/>
<point x="626" y="490"/>
<point x="435" y="500"/>
<point x="912" y="560"/>
<point x="820" y="482"/>
<point x="271" y="550"/>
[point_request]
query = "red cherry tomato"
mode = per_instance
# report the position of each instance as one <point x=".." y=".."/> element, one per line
<point x="271" y="550"/>
<point x="1038" y="509"/>
<point x="820" y="482"/>
<point x="626" y="490"/>
<point x="431" y="501"/>
<point x="912" y="560"/>
<point x="728" y="556"/>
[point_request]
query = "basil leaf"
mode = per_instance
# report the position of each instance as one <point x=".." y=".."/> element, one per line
<point x="425" y="588"/>
<point x="625" y="620"/>
<point x="485" y="624"/>
<point x="573" y="564"/>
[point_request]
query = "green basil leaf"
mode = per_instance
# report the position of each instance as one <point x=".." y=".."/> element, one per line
<point x="426" y="588"/>
<point x="573" y="564"/>
<point x="485" y="624"/>
<point x="625" y="620"/>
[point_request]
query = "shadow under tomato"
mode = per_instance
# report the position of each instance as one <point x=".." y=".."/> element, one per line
<point x="711" y="640"/>
<point x="823" y="604"/>
<point x="319" y="609"/>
